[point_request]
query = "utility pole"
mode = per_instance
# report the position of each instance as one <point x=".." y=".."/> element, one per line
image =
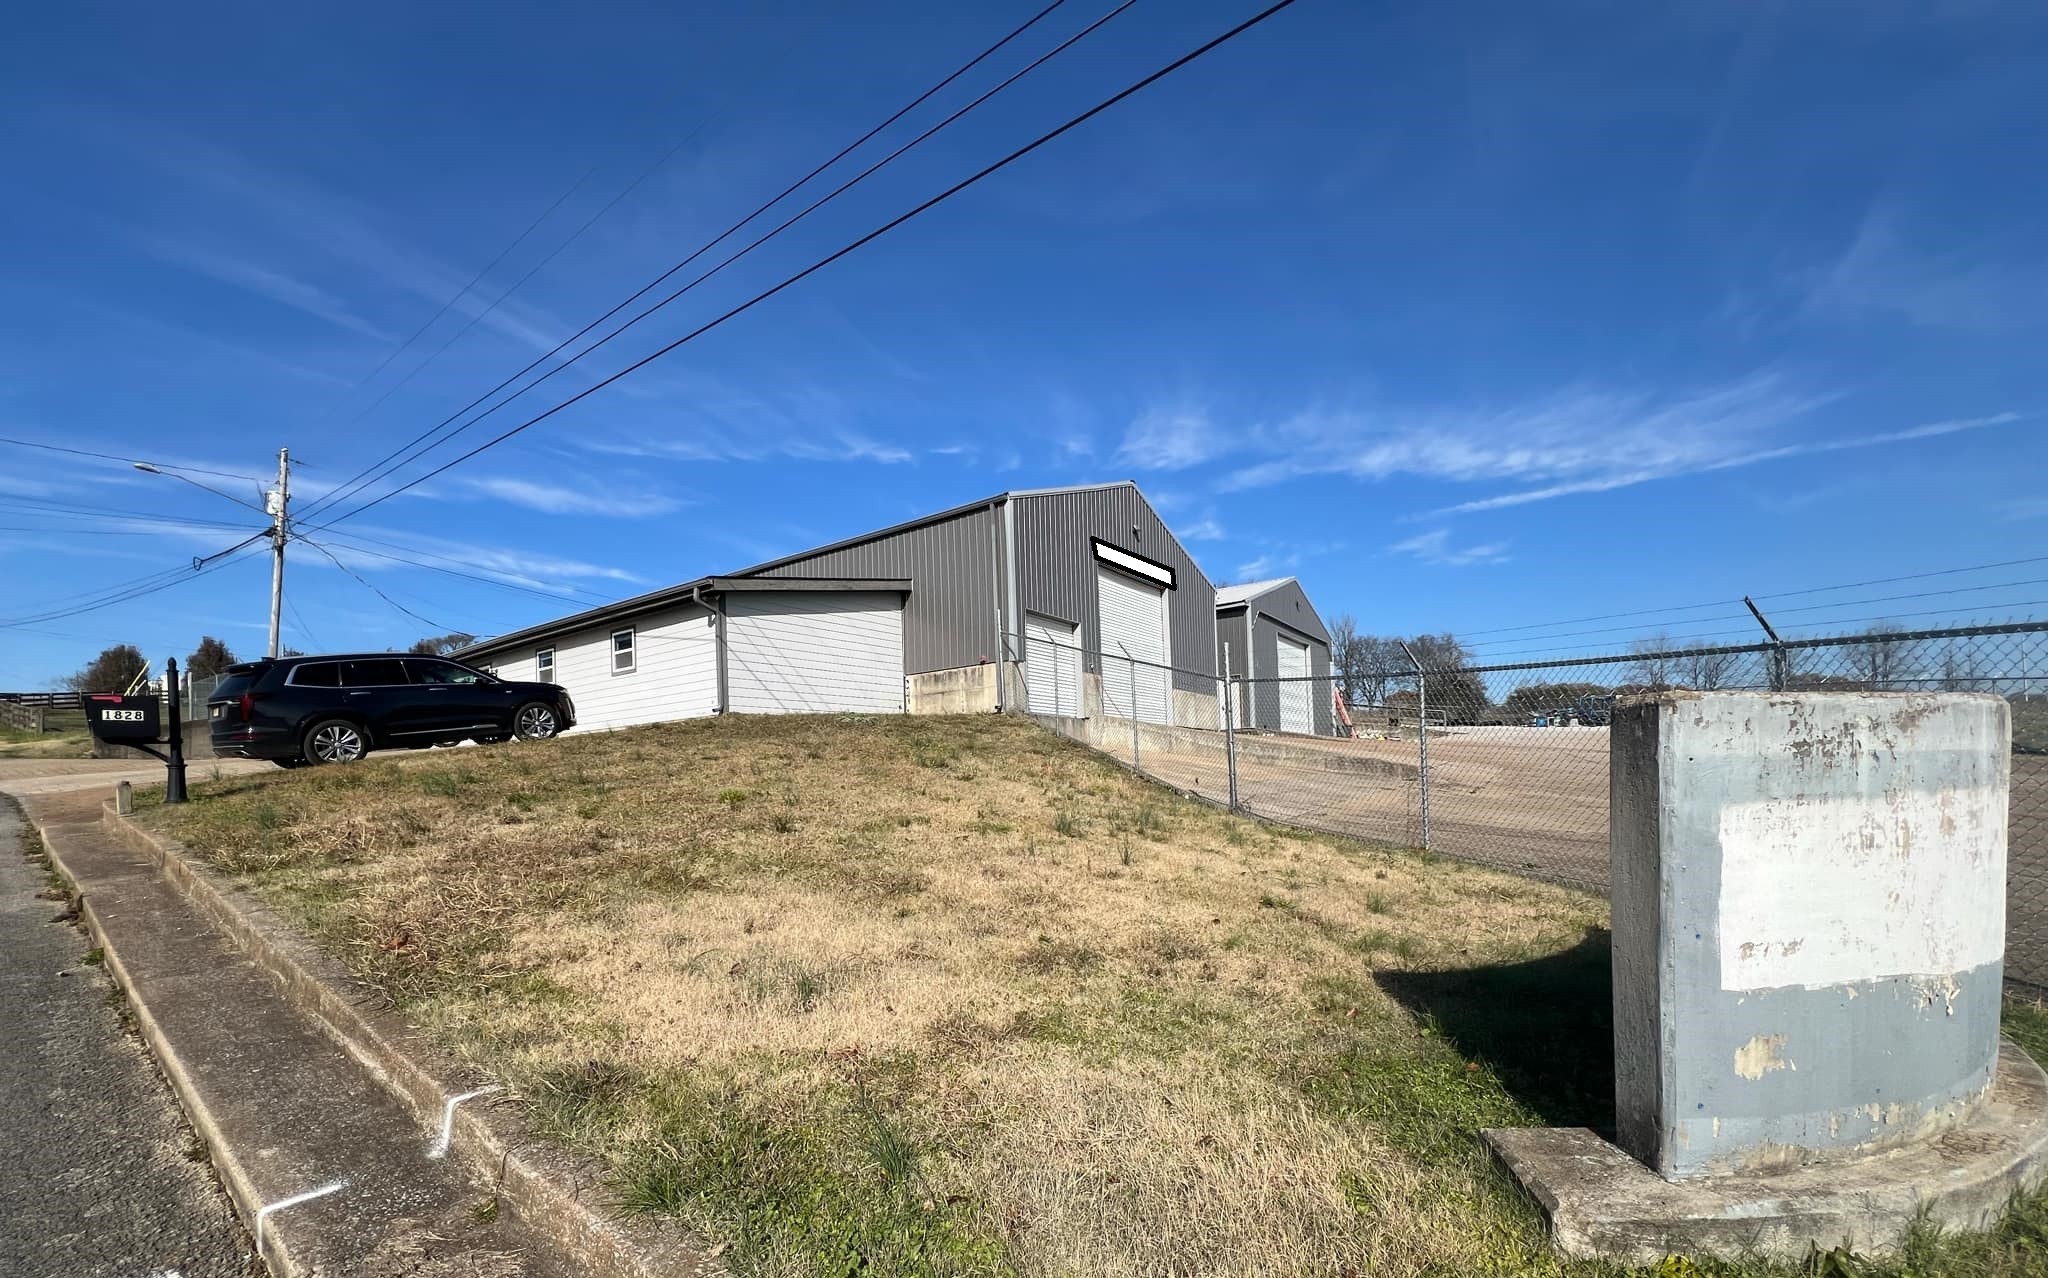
<point x="278" y="500"/>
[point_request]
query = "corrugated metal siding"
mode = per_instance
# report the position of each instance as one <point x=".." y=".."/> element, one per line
<point x="806" y="653"/>
<point x="1266" y="700"/>
<point x="950" y="618"/>
<point x="1289" y="604"/>
<point x="1230" y="633"/>
<point x="1056" y="571"/>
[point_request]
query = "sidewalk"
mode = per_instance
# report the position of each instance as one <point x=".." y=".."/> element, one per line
<point x="340" y="1175"/>
<point x="100" y="1176"/>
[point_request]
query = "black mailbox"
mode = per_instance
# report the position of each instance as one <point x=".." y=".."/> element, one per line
<point x="123" y="720"/>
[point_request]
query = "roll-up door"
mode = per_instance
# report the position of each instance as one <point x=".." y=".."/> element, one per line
<point x="802" y="652"/>
<point x="1135" y="649"/>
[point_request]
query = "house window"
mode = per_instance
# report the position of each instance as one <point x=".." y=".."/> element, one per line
<point x="622" y="651"/>
<point x="544" y="665"/>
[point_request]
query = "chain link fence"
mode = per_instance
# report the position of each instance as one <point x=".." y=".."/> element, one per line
<point x="1506" y="765"/>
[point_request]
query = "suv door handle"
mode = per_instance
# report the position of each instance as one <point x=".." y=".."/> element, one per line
<point x="360" y="692"/>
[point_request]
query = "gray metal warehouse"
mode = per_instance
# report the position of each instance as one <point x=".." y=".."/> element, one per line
<point x="1268" y="630"/>
<point x="1002" y="603"/>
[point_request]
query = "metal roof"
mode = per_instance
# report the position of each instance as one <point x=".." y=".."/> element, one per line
<point x="700" y="586"/>
<point x="1231" y="596"/>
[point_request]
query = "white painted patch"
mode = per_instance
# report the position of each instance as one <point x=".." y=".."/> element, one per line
<point x="263" y="1213"/>
<point x="447" y="1137"/>
<point x="1822" y="890"/>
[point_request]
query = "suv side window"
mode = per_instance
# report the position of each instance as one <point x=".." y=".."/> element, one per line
<point x="316" y="674"/>
<point x="443" y="672"/>
<point x="377" y="673"/>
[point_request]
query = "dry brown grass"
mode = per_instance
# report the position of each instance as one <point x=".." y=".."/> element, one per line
<point x="1001" y="987"/>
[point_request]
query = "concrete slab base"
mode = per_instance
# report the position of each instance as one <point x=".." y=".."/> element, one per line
<point x="1601" y="1203"/>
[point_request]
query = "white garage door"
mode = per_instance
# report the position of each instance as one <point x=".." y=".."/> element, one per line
<point x="1134" y="627"/>
<point x="809" y="653"/>
<point x="1297" y="706"/>
<point x="1052" y="665"/>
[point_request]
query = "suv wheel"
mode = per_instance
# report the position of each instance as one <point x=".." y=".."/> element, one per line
<point x="535" y="721"/>
<point x="335" y="741"/>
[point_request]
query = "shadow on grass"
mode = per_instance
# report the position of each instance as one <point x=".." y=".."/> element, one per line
<point x="1544" y="1027"/>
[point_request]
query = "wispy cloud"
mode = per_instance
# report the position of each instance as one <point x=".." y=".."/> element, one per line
<point x="536" y="569"/>
<point x="1626" y="479"/>
<point x="1884" y="274"/>
<point x="1266" y="566"/>
<point x="1436" y="548"/>
<point x="709" y="446"/>
<point x="595" y="498"/>
<point x="1172" y="439"/>
<point x="1584" y="440"/>
<point x="255" y="277"/>
<point x="1203" y="529"/>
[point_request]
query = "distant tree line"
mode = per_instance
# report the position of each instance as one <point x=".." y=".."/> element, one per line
<point x="1376" y="670"/>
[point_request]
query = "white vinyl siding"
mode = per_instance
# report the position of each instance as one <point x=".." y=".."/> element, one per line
<point x="1052" y="665"/>
<point x="804" y="652"/>
<point x="1134" y="626"/>
<point x="676" y="675"/>
<point x="1297" y="700"/>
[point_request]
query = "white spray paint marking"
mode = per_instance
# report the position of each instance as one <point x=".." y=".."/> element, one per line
<point x="263" y="1213"/>
<point x="440" y="1149"/>
<point x="1823" y="890"/>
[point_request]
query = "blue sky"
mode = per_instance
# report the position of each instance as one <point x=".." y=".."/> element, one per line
<point x="1470" y="316"/>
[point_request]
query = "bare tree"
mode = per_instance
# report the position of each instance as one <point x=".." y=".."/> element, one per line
<point x="441" y="645"/>
<point x="1959" y="670"/>
<point x="1881" y="659"/>
<point x="1652" y="670"/>
<point x="1706" y="671"/>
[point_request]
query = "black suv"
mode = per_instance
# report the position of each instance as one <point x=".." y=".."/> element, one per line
<point x="299" y="710"/>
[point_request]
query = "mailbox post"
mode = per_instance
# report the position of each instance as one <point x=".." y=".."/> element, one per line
<point x="119" y="719"/>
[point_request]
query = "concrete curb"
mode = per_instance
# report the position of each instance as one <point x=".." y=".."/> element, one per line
<point x="548" y="1189"/>
<point x="234" y="1177"/>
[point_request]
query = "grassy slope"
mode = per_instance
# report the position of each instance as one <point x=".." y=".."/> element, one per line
<point x="16" y="743"/>
<point x="954" y="996"/>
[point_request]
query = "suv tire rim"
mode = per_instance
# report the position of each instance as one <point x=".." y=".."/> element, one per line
<point x="337" y="743"/>
<point x="536" y="723"/>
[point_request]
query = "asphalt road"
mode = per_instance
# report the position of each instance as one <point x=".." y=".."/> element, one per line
<point x="99" y="1173"/>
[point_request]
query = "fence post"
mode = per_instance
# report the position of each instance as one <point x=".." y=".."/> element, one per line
<point x="1230" y="724"/>
<point x="1131" y="666"/>
<point x="1422" y="736"/>
<point x="1780" y="666"/>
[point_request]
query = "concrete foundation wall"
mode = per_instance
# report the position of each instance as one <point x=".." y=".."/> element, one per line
<point x="197" y="741"/>
<point x="1809" y="921"/>
<point x="961" y="690"/>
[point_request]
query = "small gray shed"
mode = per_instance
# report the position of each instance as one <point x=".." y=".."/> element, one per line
<point x="1268" y="632"/>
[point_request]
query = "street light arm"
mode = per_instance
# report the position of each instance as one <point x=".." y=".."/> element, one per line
<point x="148" y="469"/>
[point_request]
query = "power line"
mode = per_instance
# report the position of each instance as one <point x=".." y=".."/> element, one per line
<point x="128" y="461"/>
<point x="41" y="505"/>
<point x="1829" y="623"/>
<point x="457" y="296"/>
<point x="852" y="247"/>
<point x="787" y="223"/>
<point x="385" y="465"/>
<point x="200" y="567"/>
<point x="488" y="581"/>
<point x="428" y="621"/>
<point x="300" y="622"/>
<point x="1724" y="603"/>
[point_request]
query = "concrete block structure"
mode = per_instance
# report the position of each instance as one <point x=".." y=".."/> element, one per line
<point x="1809" y="921"/>
<point x="1809" y="932"/>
